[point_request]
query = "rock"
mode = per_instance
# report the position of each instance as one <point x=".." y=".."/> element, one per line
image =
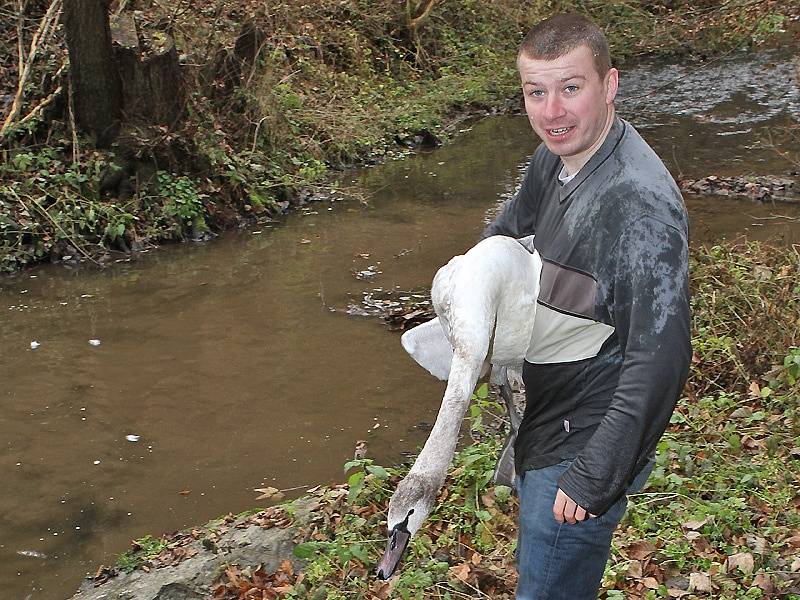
<point x="243" y="543"/>
<point x="766" y="188"/>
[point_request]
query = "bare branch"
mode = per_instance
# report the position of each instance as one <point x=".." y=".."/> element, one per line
<point x="40" y="37"/>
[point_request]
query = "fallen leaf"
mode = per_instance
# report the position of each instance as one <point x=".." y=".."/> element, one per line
<point x="757" y="543"/>
<point x="185" y="492"/>
<point x="699" y="582"/>
<point x="640" y="550"/>
<point x="795" y="565"/>
<point x="763" y="581"/>
<point x="749" y="442"/>
<point x="743" y="412"/>
<point x="742" y="561"/>
<point x="635" y="569"/>
<point x="651" y="583"/>
<point x="460" y="572"/>
<point x="762" y="272"/>
<point x="695" y="524"/>
<point x="268" y="493"/>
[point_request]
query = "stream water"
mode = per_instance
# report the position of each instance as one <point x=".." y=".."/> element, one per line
<point x="164" y="390"/>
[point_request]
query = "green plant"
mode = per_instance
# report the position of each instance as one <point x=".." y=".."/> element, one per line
<point x="182" y="200"/>
<point x="144" y="549"/>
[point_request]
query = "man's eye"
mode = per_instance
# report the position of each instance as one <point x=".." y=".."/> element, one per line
<point x="571" y="89"/>
<point x="536" y="93"/>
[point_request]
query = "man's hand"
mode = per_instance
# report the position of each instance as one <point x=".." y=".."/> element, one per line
<point x="565" y="509"/>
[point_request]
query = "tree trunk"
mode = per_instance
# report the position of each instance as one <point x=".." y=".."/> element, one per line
<point x="153" y="90"/>
<point x="96" y="86"/>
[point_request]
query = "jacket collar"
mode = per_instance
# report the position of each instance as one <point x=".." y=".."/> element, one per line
<point x="612" y="140"/>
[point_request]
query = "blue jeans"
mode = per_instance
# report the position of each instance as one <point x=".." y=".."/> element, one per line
<point x="562" y="561"/>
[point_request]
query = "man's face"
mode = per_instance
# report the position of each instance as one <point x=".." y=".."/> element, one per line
<point x="568" y="104"/>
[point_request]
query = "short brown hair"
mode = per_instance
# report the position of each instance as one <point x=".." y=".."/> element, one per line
<point x="562" y="33"/>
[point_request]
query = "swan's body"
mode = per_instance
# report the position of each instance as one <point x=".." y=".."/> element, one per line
<point x="485" y="301"/>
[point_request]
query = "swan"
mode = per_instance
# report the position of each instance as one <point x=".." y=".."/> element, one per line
<point x="485" y="302"/>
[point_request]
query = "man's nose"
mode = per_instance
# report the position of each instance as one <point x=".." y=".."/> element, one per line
<point x="554" y="107"/>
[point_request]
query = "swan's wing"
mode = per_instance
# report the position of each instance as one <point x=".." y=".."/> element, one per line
<point x="427" y="344"/>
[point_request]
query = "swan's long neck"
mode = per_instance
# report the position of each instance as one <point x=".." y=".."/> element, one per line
<point x="441" y="444"/>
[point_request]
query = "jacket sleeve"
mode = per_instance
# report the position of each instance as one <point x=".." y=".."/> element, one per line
<point x="651" y="317"/>
<point x="518" y="215"/>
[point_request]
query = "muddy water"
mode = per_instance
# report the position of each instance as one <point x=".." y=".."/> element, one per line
<point x="234" y="365"/>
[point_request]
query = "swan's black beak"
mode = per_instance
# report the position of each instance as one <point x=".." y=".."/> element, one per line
<point x="395" y="547"/>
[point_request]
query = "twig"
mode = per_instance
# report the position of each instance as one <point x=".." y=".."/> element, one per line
<point x="39" y="38"/>
<point x="54" y="223"/>
<point x="48" y="100"/>
<point x="121" y="7"/>
<point x="42" y="105"/>
<point x="420" y="13"/>
<point x="20" y="38"/>
<point x="255" y="135"/>
<point x="75" y="147"/>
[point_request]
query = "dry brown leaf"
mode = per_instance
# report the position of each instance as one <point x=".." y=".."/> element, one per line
<point x="743" y="561"/>
<point x="794" y="540"/>
<point x="640" y="550"/>
<point x="635" y="569"/>
<point x="695" y="524"/>
<point x="676" y="593"/>
<point x="699" y="582"/>
<point x="651" y="583"/>
<point x="750" y="443"/>
<point x="269" y="493"/>
<point x="287" y="567"/>
<point x="460" y="572"/>
<point x="795" y="565"/>
<point x="763" y="581"/>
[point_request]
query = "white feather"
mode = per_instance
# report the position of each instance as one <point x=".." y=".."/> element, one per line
<point x="485" y="303"/>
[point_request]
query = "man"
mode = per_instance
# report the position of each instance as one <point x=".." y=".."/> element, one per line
<point x="611" y="346"/>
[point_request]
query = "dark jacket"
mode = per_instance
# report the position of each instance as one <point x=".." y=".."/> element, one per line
<point x="611" y="346"/>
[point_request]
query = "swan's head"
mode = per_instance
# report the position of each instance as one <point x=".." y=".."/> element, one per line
<point x="409" y="507"/>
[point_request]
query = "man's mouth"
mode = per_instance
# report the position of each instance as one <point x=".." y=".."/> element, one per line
<point x="558" y="131"/>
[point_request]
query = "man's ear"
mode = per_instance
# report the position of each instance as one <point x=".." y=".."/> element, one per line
<point x="612" y="83"/>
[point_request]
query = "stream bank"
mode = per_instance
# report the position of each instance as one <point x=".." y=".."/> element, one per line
<point x="270" y="104"/>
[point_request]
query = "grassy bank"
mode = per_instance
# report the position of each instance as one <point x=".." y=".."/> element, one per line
<point x="276" y="97"/>
<point x="719" y="517"/>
